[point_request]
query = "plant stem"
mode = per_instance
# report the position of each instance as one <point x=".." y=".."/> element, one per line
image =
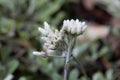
<point x="67" y="58"/>
<point x="80" y="66"/>
<point x="52" y="56"/>
<point x="46" y="55"/>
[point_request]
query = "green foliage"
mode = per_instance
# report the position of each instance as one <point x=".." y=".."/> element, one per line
<point x="19" y="20"/>
<point x="74" y="74"/>
<point x="100" y="76"/>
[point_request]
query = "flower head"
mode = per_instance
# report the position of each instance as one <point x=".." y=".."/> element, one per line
<point x="53" y="40"/>
<point x="50" y="38"/>
<point x="46" y="29"/>
<point x="74" y="26"/>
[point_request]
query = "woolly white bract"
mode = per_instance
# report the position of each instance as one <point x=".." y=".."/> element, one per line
<point x="46" y="29"/>
<point x="52" y="38"/>
<point x="74" y="26"/>
<point x="38" y="53"/>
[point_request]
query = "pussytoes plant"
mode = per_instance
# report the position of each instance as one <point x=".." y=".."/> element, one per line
<point x="62" y="40"/>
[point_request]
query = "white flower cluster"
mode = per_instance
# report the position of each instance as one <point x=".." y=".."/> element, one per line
<point x="74" y="26"/>
<point x="51" y="38"/>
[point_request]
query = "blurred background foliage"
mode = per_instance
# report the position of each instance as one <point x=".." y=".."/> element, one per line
<point x="98" y="50"/>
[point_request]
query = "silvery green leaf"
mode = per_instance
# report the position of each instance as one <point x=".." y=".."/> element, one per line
<point x="98" y="76"/>
<point x="4" y="53"/>
<point x="74" y="74"/>
<point x="12" y="66"/>
<point x="80" y="49"/>
<point x="109" y="75"/>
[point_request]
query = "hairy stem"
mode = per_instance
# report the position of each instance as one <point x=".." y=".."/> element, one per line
<point x="67" y="58"/>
